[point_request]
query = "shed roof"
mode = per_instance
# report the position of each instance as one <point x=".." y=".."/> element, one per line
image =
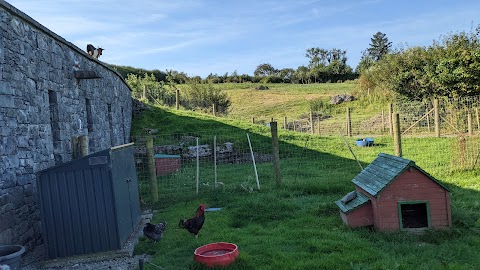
<point x="358" y="201"/>
<point x="383" y="170"/>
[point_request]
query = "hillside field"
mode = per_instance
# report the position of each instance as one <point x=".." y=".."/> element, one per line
<point x="296" y="225"/>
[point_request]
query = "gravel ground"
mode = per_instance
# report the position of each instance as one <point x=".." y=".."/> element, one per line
<point x="114" y="260"/>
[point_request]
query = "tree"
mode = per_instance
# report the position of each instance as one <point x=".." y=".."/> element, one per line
<point x="365" y="62"/>
<point x="301" y="74"/>
<point x="448" y="68"/>
<point x="286" y="74"/>
<point x="379" y="47"/>
<point x="317" y="56"/>
<point x="264" y="70"/>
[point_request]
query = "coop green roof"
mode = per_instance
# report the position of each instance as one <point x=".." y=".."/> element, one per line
<point x="382" y="171"/>
<point x="359" y="200"/>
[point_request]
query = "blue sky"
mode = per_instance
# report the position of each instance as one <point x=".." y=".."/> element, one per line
<point x="200" y="37"/>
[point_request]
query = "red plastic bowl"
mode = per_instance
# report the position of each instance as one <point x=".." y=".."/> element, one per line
<point x="216" y="254"/>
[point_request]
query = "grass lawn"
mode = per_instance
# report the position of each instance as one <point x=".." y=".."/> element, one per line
<point x="297" y="225"/>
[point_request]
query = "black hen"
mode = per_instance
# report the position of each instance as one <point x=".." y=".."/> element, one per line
<point x="154" y="231"/>
<point x="194" y="224"/>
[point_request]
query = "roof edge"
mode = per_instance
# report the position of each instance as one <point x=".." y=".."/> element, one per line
<point x="58" y="38"/>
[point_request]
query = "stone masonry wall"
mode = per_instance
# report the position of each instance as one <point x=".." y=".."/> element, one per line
<point x="42" y="105"/>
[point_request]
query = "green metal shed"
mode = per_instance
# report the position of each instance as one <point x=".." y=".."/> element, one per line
<point x="90" y="204"/>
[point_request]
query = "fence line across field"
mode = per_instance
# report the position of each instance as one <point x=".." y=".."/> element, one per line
<point x="446" y="117"/>
<point x="189" y="165"/>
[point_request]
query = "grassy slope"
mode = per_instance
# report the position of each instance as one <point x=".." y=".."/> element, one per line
<point x="297" y="226"/>
<point x="291" y="100"/>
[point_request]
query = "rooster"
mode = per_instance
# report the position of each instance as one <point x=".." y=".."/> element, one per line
<point x="194" y="224"/>
<point x="154" y="231"/>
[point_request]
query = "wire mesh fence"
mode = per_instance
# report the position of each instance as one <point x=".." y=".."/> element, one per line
<point x="190" y="164"/>
<point x="186" y="165"/>
<point x="441" y="136"/>
<point x="448" y="117"/>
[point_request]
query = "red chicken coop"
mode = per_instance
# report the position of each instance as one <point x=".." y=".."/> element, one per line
<point x="166" y="164"/>
<point x="393" y="193"/>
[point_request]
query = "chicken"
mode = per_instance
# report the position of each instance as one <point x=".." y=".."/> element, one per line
<point x="194" y="224"/>
<point x="154" y="231"/>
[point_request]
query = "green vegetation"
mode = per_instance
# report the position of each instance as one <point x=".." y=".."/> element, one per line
<point x="297" y="225"/>
<point x="447" y="68"/>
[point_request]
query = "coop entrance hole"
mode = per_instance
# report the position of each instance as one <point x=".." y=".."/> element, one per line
<point x="414" y="215"/>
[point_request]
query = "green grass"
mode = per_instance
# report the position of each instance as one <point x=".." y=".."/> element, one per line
<point x="280" y="100"/>
<point x="297" y="225"/>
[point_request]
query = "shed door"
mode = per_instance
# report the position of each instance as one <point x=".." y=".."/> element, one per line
<point x="414" y="214"/>
<point x="126" y="192"/>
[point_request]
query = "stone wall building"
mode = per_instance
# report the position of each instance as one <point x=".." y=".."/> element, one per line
<point x="50" y="91"/>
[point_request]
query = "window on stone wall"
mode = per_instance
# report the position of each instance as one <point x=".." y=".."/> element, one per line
<point x="110" y="123"/>
<point x="123" y="128"/>
<point x="55" y="125"/>
<point x="88" y="104"/>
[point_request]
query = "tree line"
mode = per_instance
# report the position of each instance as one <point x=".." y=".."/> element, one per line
<point x="450" y="67"/>
<point x="324" y="66"/>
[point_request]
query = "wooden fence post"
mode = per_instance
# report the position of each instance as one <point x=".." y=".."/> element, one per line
<point x="144" y="94"/>
<point x="428" y="123"/>
<point x="151" y="169"/>
<point x="390" y="118"/>
<point x="397" y="140"/>
<point x="318" y="125"/>
<point x="214" y="109"/>
<point x="349" y="123"/>
<point x="177" y="99"/>
<point x="478" y="118"/>
<point x="253" y="120"/>
<point x="312" y="126"/>
<point x="383" y="120"/>
<point x="470" y="124"/>
<point x="276" y="153"/>
<point x="436" y="118"/>
<point x="285" y="123"/>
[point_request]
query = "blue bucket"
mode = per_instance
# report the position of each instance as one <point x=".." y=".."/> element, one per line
<point x="10" y="255"/>
<point x="365" y="142"/>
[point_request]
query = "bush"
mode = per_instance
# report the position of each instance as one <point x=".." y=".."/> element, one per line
<point x="322" y="107"/>
<point x="203" y="96"/>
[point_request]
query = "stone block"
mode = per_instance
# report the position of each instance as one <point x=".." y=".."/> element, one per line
<point x="7" y="101"/>
<point x="24" y="179"/>
<point x="6" y="89"/>
<point x="6" y="237"/>
<point x="6" y="220"/>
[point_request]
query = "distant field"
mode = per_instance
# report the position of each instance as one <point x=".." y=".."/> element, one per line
<point x="280" y="100"/>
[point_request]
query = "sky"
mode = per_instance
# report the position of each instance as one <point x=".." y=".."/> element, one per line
<point x="199" y="37"/>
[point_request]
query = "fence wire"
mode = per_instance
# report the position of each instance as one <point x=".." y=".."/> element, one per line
<point x="440" y="136"/>
<point x="185" y="167"/>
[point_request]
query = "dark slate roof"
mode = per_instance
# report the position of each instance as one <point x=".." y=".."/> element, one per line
<point x="382" y="171"/>
<point x="360" y="200"/>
